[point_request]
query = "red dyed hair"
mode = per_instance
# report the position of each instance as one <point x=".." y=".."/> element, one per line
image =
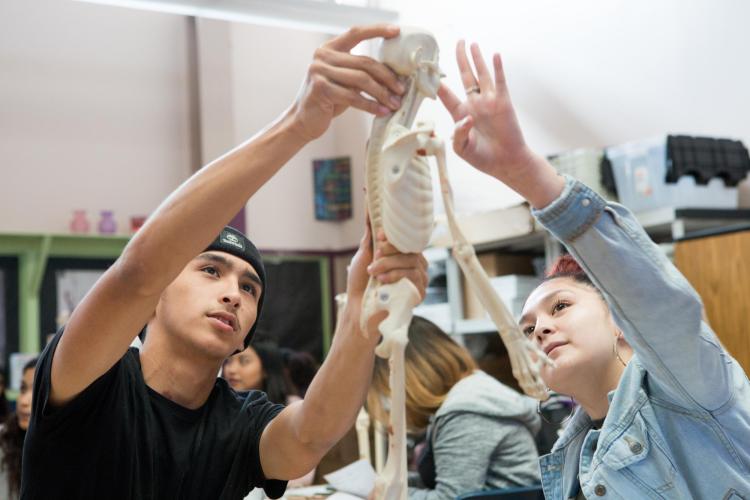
<point x="566" y="266"/>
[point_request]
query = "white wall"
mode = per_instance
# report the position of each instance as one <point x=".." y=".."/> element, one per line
<point x="597" y="73"/>
<point x="215" y="88"/>
<point x="269" y="65"/>
<point x="93" y="112"/>
<point x="96" y="115"/>
<point x="94" y="104"/>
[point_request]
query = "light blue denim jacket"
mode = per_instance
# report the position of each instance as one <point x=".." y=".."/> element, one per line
<point x="678" y="425"/>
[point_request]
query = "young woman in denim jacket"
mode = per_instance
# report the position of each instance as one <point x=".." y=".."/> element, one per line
<point x="664" y="409"/>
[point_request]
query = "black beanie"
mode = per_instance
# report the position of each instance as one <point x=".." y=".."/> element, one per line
<point x="235" y="243"/>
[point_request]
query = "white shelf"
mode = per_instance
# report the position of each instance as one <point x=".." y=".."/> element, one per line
<point x="669" y="223"/>
<point x="664" y="225"/>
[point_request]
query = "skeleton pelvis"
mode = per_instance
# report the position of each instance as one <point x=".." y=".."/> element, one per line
<point x="398" y="299"/>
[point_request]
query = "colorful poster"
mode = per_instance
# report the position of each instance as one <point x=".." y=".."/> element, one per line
<point x="333" y="188"/>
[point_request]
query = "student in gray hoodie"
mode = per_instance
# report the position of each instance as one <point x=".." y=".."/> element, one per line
<point x="480" y="433"/>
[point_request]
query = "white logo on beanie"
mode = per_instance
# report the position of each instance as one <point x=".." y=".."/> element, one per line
<point x="233" y="240"/>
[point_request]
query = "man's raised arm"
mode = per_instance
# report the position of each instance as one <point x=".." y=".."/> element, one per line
<point x="124" y="299"/>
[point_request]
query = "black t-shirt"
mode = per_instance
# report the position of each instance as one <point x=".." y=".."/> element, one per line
<point x="119" y="439"/>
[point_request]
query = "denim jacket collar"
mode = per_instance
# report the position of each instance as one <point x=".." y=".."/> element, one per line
<point x="625" y="402"/>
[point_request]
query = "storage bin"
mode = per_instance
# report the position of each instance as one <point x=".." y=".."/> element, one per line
<point x="640" y="171"/>
<point x="586" y="166"/>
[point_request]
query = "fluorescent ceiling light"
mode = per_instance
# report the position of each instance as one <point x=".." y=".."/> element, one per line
<point x="310" y="15"/>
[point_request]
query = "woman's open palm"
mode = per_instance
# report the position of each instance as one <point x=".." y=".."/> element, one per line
<point x="487" y="134"/>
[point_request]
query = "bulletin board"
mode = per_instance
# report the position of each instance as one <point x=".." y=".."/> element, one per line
<point x="333" y="189"/>
<point x="65" y="282"/>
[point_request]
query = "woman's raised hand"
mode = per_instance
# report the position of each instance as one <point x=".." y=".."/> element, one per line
<point x="487" y="133"/>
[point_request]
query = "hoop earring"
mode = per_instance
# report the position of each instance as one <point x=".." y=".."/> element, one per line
<point x="552" y="422"/>
<point x="616" y="352"/>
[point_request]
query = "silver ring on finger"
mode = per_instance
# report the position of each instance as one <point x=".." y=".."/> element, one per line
<point x="473" y="89"/>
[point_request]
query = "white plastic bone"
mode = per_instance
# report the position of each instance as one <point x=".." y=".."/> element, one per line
<point x="399" y="199"/>
<point x="380" y="438"/>
<point x="363" y="434"/>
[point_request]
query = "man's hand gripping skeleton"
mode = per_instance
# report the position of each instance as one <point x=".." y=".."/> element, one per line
<point x="399" y="200"/>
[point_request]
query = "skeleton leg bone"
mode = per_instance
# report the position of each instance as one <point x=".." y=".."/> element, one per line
<point x="399" y="299"/>
<point x="392" y="483"/>
<point x="380" y="437"/>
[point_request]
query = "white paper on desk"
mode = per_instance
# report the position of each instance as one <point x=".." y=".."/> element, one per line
<point x="308" y="491"/>
<point x="343" y="496"/>
<point x="357" y="478"/>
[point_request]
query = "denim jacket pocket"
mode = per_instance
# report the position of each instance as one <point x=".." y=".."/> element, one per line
<point x="732" y="494"/>
<point x="640" y="456"/>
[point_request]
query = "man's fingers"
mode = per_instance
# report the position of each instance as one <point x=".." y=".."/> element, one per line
<point x="384" y="248"/>
<point x="392" y="268"/>
<point x="366" y="240"/>
<point x="343" y="96"/>
<point x="451" y="102"/>
<point x="418" y="278"/>
<point x="377" y="70"/>
<point x="384" y="264"/>
<point x="360" y="81"/>
<point x="352" y="37"/>
<point x="368" y="225"/>
<point x="423" y="264"/>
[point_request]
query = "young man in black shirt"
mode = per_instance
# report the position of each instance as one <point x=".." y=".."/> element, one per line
<point x="110" y="422"/>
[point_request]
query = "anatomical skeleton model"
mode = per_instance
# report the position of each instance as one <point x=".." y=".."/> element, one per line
<point x="399" y="200"/>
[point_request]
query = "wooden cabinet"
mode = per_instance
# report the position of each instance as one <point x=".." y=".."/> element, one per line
<point x="718" y="267"/>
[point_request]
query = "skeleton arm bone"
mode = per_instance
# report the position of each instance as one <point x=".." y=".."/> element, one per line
<point x="520" y="349"/>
